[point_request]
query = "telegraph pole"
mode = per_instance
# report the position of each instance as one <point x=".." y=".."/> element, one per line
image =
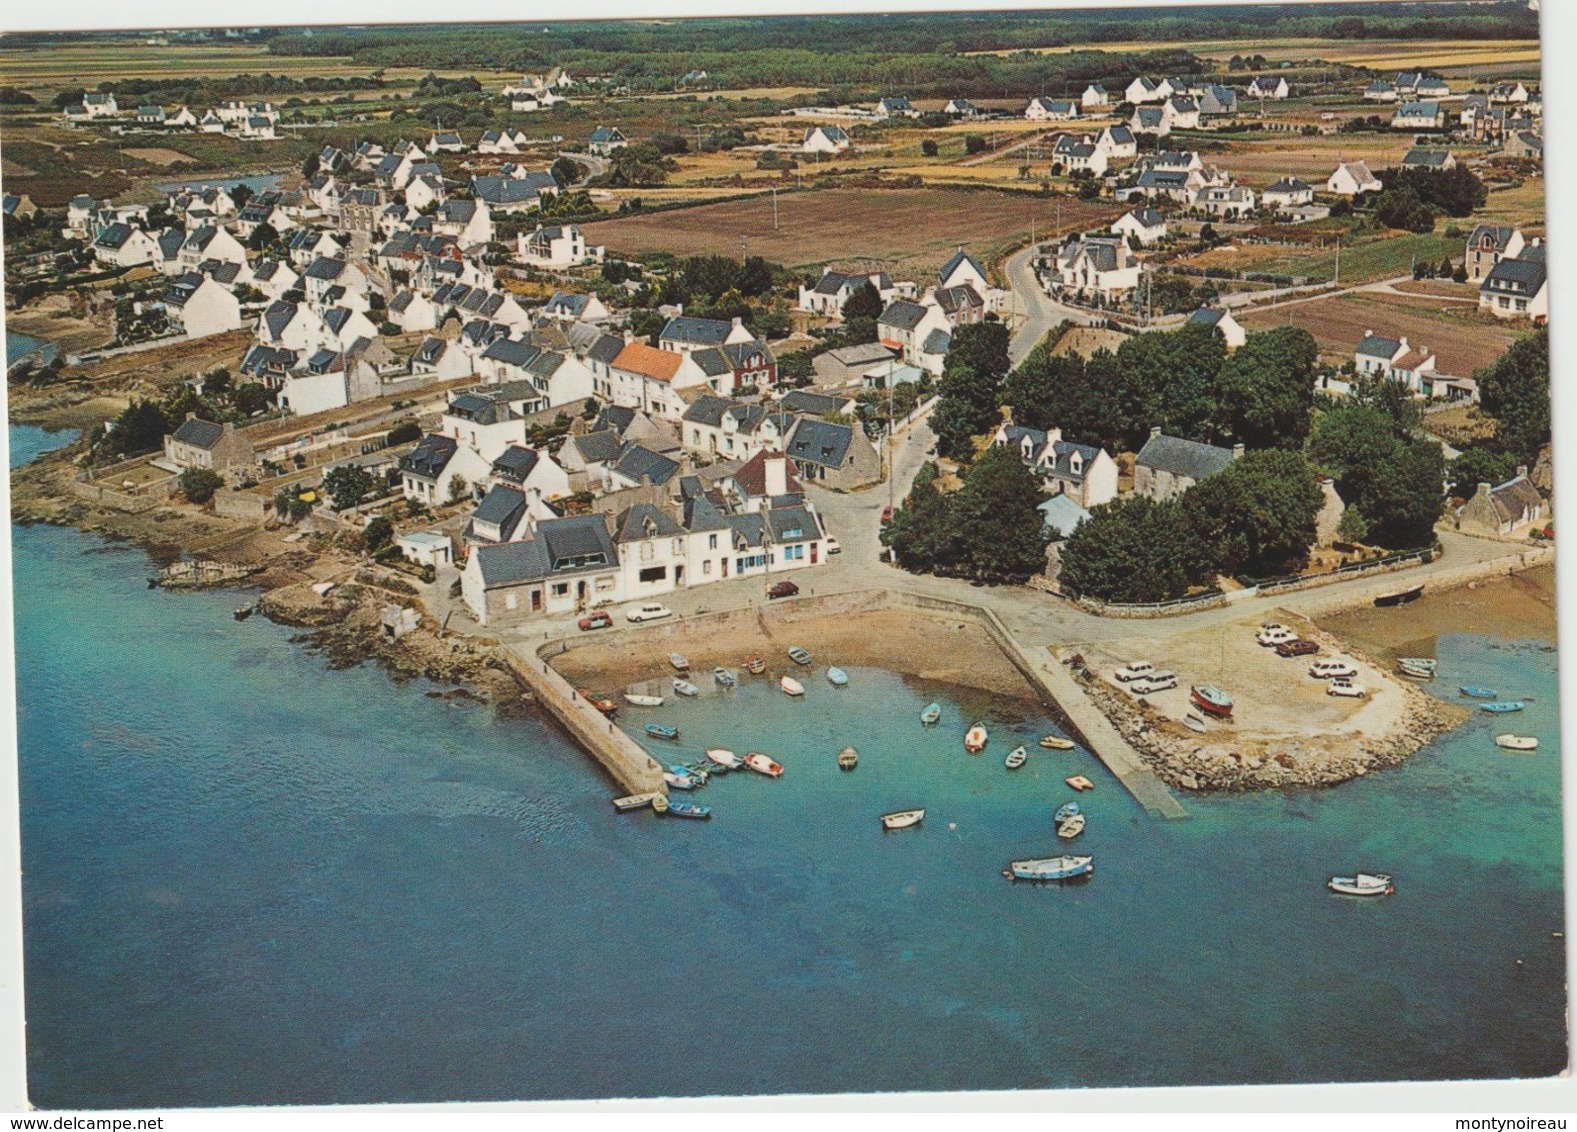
<point x="774" y="208"/>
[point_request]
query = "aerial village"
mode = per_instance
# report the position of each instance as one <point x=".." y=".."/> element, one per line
<point x="450" y="350"/>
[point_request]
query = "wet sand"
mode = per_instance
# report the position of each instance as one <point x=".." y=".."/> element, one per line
<point x="1519" y="607"/>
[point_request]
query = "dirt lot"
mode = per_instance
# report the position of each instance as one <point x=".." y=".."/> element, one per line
<point x="1463" y="339"/>
<point x="910" y="230"/>
<point x="157" y="156"/>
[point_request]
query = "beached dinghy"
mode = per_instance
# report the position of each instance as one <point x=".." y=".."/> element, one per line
<point x="1056" y="743"/>
<point x="902" y="819"/>
<point x="1071" y="828"/>
<point x="662" y="731"/>
<point x="724" y="758"/>
<point x="837" y="677"/>
<point x="931" y="714"/>
<point x="1364" y="884"/>
<point x="679" y="661"/>
<point x="761" y="764"/>
<point x="848" y="758"/>
<point x="1418" y="667"/>
<point x="1516" y="743"/>
<point x="976" y="738"/>
<point x="1400" y="597"/>
<point x="1503" y="707"/>
<point x="1016" y="758"/>
<point x="1477" y="693"/>
<point x="791" y="686"/>
<point x="643" y="701"/>
<point x="685" y="688"/>
<point x="681" y="809"/>
<point x="1194" y="722"/>
<point x="755" y="666"/>
<point x="1050" y="868"/>
<point x="724" y="678"/>
<point x="799" y="656"/>
<point x="1066" y="811"/>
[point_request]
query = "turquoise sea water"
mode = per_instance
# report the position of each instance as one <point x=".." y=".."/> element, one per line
<point x="250" y="880"/>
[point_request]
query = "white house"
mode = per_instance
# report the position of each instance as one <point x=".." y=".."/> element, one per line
<point x="1225" y="200"/>
<point x="429" y="471"/>
<point x="120" y="245"/>
<point x="1095" y="97"/>
<point x="1077" y="154"/>
<point x="1289" y="192"/>
<point x="1220" y="320"/>
<point x="1516" y="288"/>
<point x="1051" y="110"/>
<point x="828" y="294"/>
<point x="292" y="326"/>
<point x="1118" y="142"/>
<point x="567" y="307"/>
<point x="209" y="242"/>
<point x="1352" y="178"/>
<point x="1096" y="267"/>
<point x="605" y="139"/>
<point x="98" y="105"/>
<point x="1086" y="474"/>
<point x="1141" y="91"/>
<point x="1182" y="112"/>
<point x="896" y="108"/>
<point x="1418" y="116"/>
<point x="920" y="332"/>
<point x="201" y="306"/>
<point x="562" y="245"/>
<point x="825" y="139"/>
<point x="412" y="311"/>
<point x="1269" y="86"/>
<point x="1145" y="225"/>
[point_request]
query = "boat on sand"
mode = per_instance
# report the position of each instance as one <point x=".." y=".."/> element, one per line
<point x="1211" y="700"/>
<point x="680" y="662"/>
<point x="755" y="666"/>
<point x="640" y="700"/>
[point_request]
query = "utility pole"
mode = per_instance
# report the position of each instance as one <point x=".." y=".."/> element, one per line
<point x="1338" y="280"/>
<point x="774" y="208"/>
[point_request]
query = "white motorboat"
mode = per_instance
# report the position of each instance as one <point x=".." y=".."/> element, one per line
<point x="975" y="739"/>
<point x="724" y="758"/>
<point x="1364" y="884"/>
<point x="642" y="701"/>
<point x="902" y="819"/>
<point x="791" y="686"/>
<point x="1516" y="743"/>
<point x="761" y="764"/>
<point x="1050" y="868"/>
<point x="1016" y="758"/>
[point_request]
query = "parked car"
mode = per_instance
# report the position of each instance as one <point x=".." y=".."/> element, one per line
<point x="1154" y="682"/>
<point x="781" y="589"/>
<point x="1272" y="635"/>
<point x="1133" y="670"/>
<point x="833" y="547"/>
<point x="1346" y="688"/>
<point x="1297" y="647"/>
<point x="597" y="620"/>
<point x="651" y="611"/>
<point x="1332" y="670"/>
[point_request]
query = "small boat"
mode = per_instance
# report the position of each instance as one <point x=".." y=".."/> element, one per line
<point x="724" y="678"/>
<point x="791" y="686"/>
<point x="976" y="738"/>
<point x="837" y="677"/>
<point x="685" y="688"/>
<point x="1194" y="722"/>
<point x="1080" y="783"/>
<point x="1211" y="700"/>
<point x="761" y="764"/>
<point x="1056" y="743"/>
<point x="1401" y="597"/>
<point x="726" y="759"/>
<point x="1050" y="868"/>
<point x="799" y="655"/>
<point x="679" y="661"/>
<point x="1065" y="811"/>
<point x="931" y="714"/>
<point x="1418" y="667"/>
<point x="1071" y="828"/>
<point x="683" y="809"/>
<point x="662" y="731"/>
<point x="636" y="801"/>
<point x="681" y="781"/>
<point x="902" y="819"/>
<point x="1364" y="884"/>
<point x="1516" y="742"/>
<point x="643" y="701"/>
<point x="698" y="773"/>
<point x="755" y="666"/>
<point x="1477" y="693"/>
<point x="660" y="804"/>
<point x="601" y="703"/>
<point x="848" y="758"/>
<point x="243" y="612"/>
<point x="1503" y="707"/>
<point x="1016" y="758"/>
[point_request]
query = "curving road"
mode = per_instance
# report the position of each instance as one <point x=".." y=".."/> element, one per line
<point x="1041" y="311"/>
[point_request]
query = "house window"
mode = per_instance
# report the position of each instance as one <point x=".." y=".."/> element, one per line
<point x="706" y="568"/>
<point x="654" y="574"/>
<point x="711" y="542"/>
<point x="560" y="589"/>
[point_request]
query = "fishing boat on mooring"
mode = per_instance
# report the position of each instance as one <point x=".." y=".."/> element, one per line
<point x="640" y="700"/>
<point x="724" y="678"/>
<point x="661" y="731"/>
<point x="1071" y="828"/>
<point x="755" y="666"/>
<point x="791" y="686"/>
<point x="902" y="819"/>
<point x="1017" y="757"/>
<point x="761" y="764"/>
<point x="976" y="738"/>
<point x="1211" y="700"/>
<point x="1503" y="707"/>
<point x="681" y="781"/>
<point x="685" y="688"/>
<point x="1066" y="811"/>
<point x="679" y="661"/>
<point x="931" y="714"/>
<point x="1474" y="692"/>
<point x="1056" y="743"/>
<point x="1050" y="868"/>
<point x="837" y="677"/>
<point x="848" y="758"/>
<point x="681" y="809"/>
<point x="1400" y="597"/>
<point x="799" y="656"/>
<point x="1516" y="743"/>
<point x="724" y="758"/>
<point x="1364" y="884"/>
<point x="636" y="801"/>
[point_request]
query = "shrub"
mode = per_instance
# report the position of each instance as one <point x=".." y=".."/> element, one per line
<point x="199" y="484"/>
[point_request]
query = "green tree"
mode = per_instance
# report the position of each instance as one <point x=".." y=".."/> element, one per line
<point x="140" y="427"/>
<point x="996" y="521"/>
<point x="974" y="143"/>
<point x="404" y="433"/>
<point x="969" y="395"/>
<point x="928" y="147"/>
<point x="459" y="489"/>
<point x="1404" y="497"/>
<point x="1479" y="464"/>
<point x="252" y="398"/>
<point x="263" y="236"/>
<point x="1133" y="549"/>
<point x="921" y="534"/>
<point x="1515" y="390"/>
<point x="1401" y="208"/>
<point x="199" y="484"/>
<point x="347" y="485"/>
<point x="1257" y="515"/>
<point x="865" y="302"/>
<point x="1265" y="390"/>
<point x="1348" y="443"/>
<point x="378" y="533"/>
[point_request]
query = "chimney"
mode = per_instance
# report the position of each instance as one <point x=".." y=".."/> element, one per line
<point x="191" y="416"/>
<point x="1482" y="492"/>
<point x="1237" y="451"/>
<point x="1522" y="469"/>
<point x="776" y="465"/>
<point x="1155" y="431"/>
<point x="738" y="323"/>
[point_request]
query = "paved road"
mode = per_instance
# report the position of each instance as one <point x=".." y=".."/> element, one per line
<point x="1041" y="311"/>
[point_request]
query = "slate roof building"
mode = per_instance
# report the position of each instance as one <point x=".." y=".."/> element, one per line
<point x="1167" y="466"/>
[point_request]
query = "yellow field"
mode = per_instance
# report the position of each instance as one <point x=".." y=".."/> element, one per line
<point x="1382" y="54"/>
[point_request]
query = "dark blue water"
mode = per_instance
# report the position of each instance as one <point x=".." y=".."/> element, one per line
<point x="17" y="344"/>
<point x="25" y="443"/>
<point x="250" y="880"/>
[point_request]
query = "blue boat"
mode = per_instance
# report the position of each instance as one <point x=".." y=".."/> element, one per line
<point x="1051" y="868"/>
<point x="681" y="781"/>
<point x="799" y="656"/>
<point x="1501" y="707"/>
<point x="837" y="677"/>
<point x="931" y="714"/>
<point x="1066" y="811"/>
<point x="662" y="731"/>
<point x="678" y="808"/>
<point x="1477" y="693"/>
<point x="694" y="772"/>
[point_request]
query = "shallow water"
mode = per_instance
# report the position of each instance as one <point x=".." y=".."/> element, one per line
<point x="249" y="880"/>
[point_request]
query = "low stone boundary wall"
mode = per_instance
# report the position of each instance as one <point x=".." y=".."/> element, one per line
<point x="145" y="499"/>
<point x="246" y="505"/>
<point x="1452" y="579"/>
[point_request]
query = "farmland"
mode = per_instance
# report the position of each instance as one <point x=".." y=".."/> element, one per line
<point x="1464" y="339"/>
<point x="910" y="230"/>
<point x="1378" y="54"/>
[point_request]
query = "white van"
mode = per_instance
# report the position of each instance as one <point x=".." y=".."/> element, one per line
<point x="651" y="611"/>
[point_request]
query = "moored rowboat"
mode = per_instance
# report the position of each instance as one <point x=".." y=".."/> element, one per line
<point x="902" y="819"/>
<point x="635" y="801"/>
<point x="848" y="758"/>
<point x="1066" y="811"/>
<point x="1080" y="783"/>
<point x="1516" y="742"/>
<point x="837" y="677"/>
<point x="791" y="686"/>
<point x="682" y="809"/>
<point x="724" y="758"/>
<point x="643" y="701"/>
<point x="1502" y="707"/>
<point x="662" y="731"/>
<point x="931" y="714"/>
<point x="723" y="677"/>
<point x="1056" y="743"/>
<point x="1475" y="692"/>
<point x="976" y="738"/>
<point x="1071" y="828"/>
<point x="1016" y="758"/>
<point x="685" y="688"/>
